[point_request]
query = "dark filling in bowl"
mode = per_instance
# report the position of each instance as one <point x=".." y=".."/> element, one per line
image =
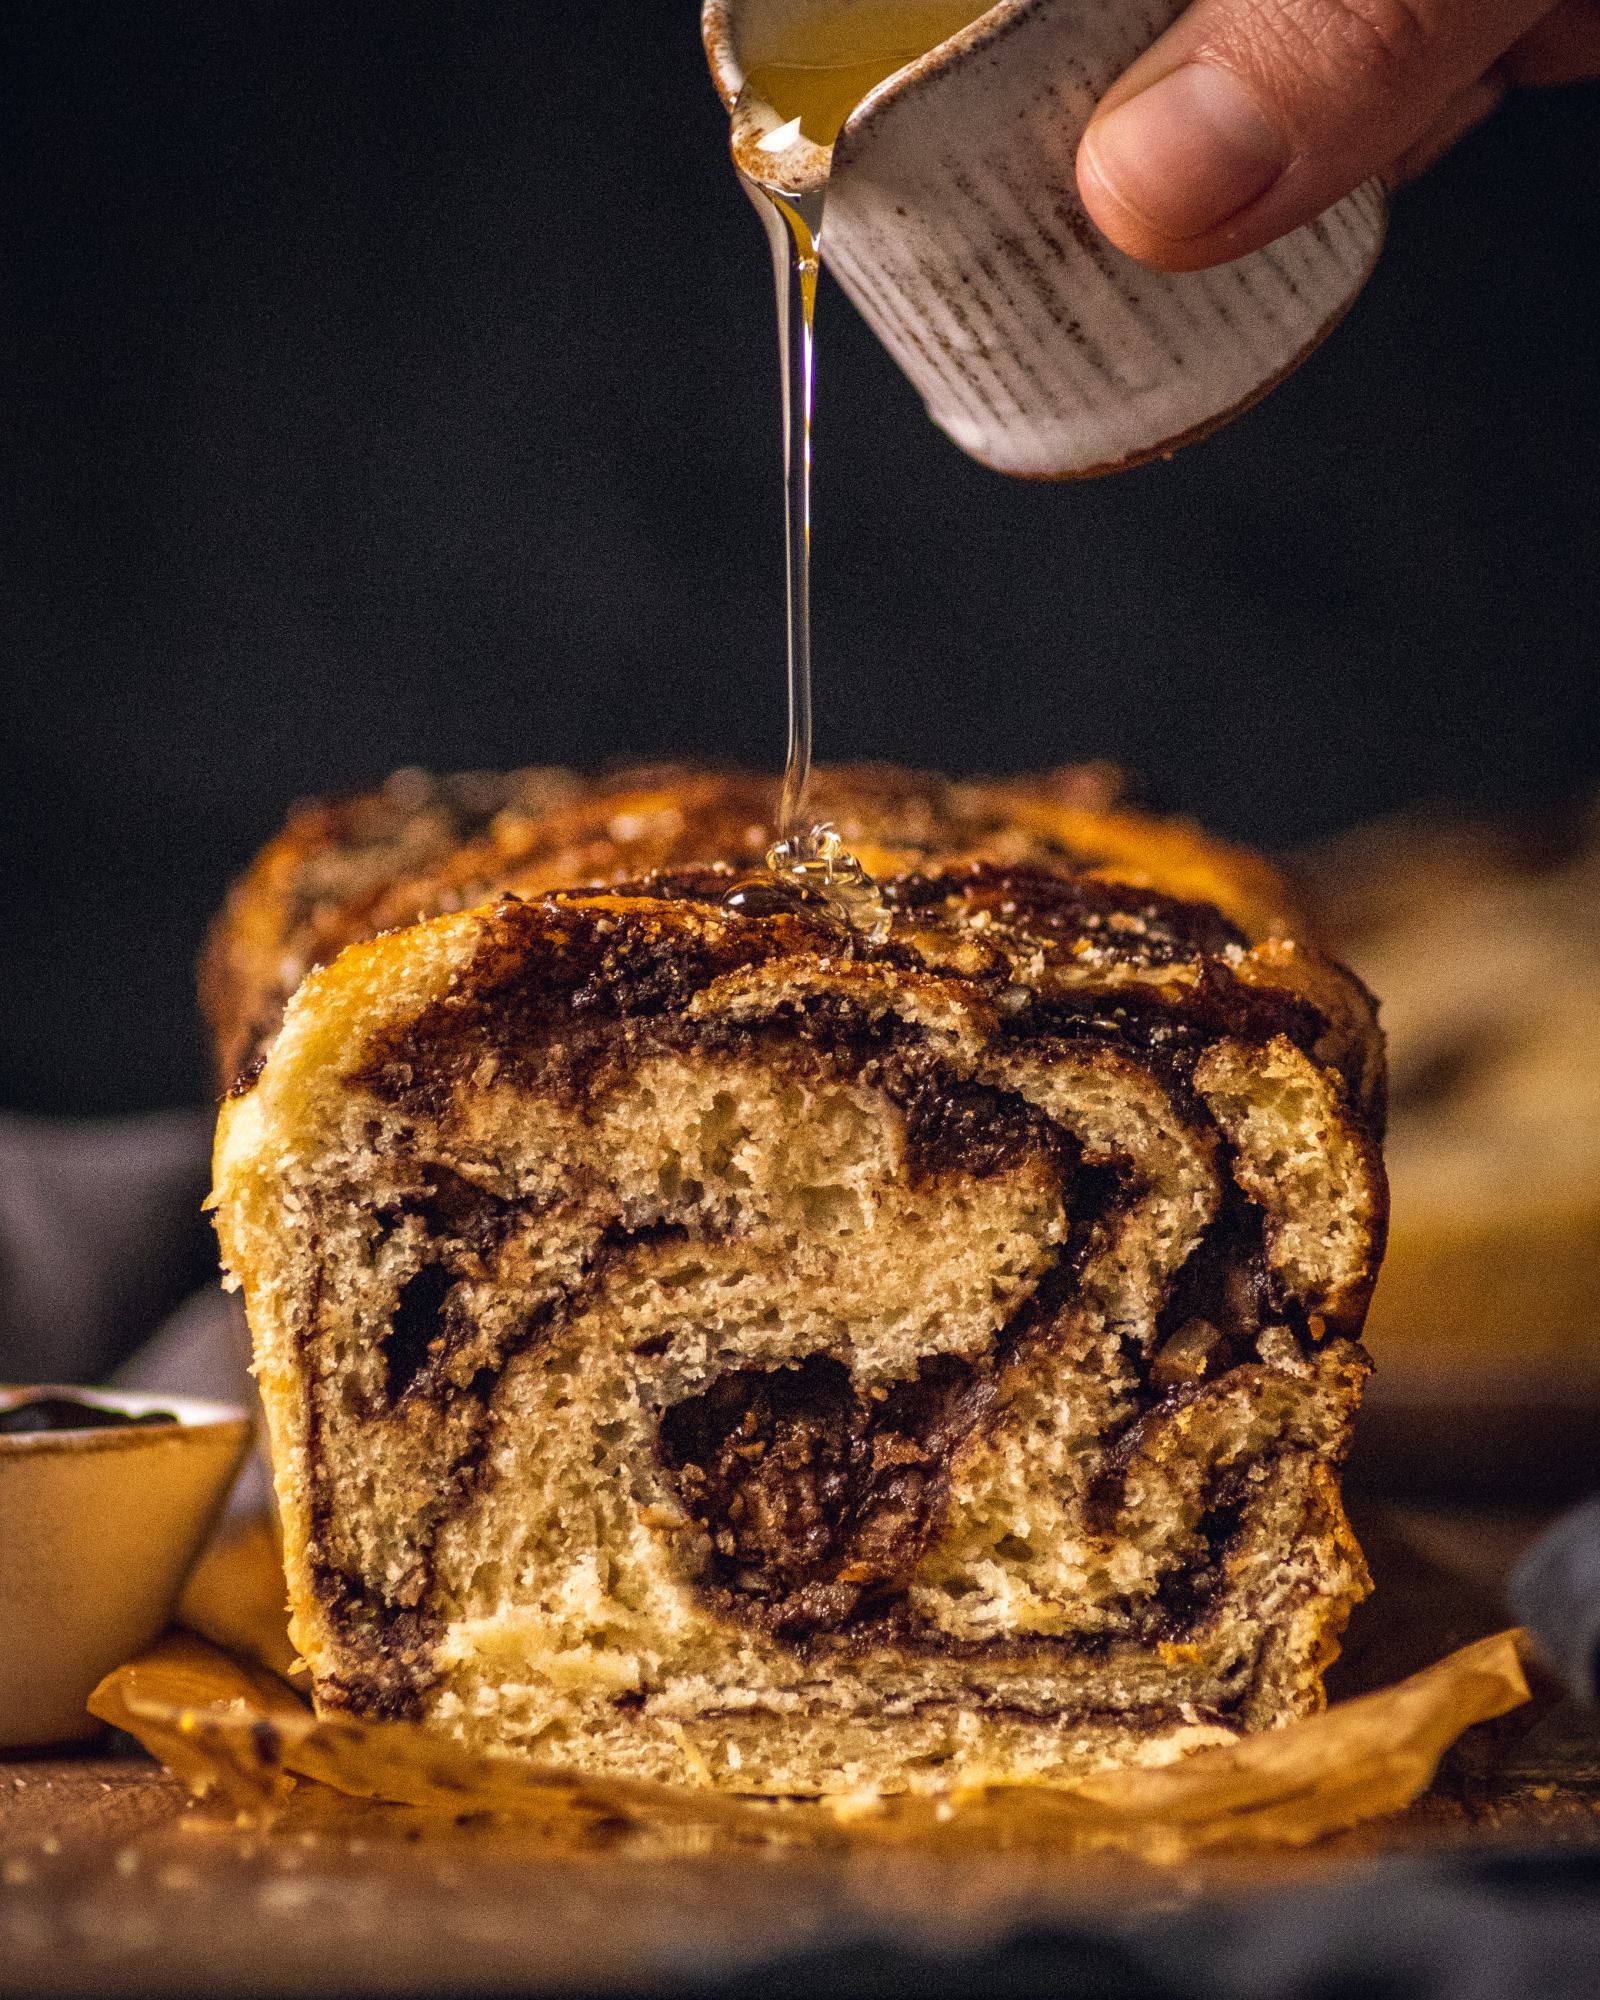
<point x="66" y="1413"/>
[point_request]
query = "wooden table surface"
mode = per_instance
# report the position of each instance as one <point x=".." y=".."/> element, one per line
<point x="112" y="1881"/>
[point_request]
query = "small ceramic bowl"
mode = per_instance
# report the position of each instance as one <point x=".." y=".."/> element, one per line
<point x="98" y="1529"/>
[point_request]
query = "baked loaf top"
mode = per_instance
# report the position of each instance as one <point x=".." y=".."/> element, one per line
<point x="343" y="871"/>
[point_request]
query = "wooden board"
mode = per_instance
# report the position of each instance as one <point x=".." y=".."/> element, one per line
<point x="111" y="1881"/>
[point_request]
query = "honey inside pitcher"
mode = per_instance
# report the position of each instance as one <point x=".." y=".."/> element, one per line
<point x="816" y="66"/>
<point x="828" y="58"/>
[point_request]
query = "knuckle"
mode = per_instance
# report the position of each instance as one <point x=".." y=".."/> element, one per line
<point x="1332" y="45"/>
<point x="1383" y="39"/>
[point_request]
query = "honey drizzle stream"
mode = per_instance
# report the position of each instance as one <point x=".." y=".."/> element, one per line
<point x="808" y="863"/>
<point x="834" y="57"/>
<point x="794" y="230"/>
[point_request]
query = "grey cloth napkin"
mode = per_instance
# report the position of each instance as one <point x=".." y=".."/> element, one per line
<point x="108" y="1266"/>
<point x="1555" y="1592"/>
<point x="101" y="1237"/>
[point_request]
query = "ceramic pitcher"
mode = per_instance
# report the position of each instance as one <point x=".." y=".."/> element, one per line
<point x="954" y="223"/>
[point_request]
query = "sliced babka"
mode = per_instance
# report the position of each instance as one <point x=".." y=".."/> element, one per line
<point x="701" y="1341"/>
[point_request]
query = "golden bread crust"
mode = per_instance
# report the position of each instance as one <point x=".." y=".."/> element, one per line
<point x="341" y="872"/>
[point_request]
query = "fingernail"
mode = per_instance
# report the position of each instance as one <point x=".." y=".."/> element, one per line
<point x="1188" y="152"/>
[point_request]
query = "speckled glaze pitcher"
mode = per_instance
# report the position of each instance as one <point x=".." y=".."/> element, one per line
<point x="954" y="223"/>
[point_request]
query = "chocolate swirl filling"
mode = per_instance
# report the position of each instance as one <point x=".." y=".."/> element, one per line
<point x="814" y="1496"/>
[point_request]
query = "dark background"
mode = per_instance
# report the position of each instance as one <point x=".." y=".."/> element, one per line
<point x="396" y="383"/>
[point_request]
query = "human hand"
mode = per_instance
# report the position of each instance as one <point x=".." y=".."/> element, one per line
<point x="1250" y="117"/>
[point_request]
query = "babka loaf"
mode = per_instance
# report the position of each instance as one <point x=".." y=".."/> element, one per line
<point x="1484" y="939"/>
<point x="699" y="1341"/>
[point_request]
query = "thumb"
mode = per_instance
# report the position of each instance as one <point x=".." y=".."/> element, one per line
<point x="1250" y="117"/>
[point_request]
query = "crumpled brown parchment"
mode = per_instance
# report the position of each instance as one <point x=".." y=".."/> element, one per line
<point x="219" y="1711"/>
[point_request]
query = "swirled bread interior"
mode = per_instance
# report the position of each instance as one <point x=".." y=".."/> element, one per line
<point x="712" y="1346"/>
